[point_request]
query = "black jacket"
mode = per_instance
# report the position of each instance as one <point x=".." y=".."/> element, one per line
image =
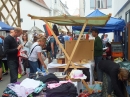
<point x="10" y="48"/>
<point x="112" y="69"/>
<point x="65" y="90"/>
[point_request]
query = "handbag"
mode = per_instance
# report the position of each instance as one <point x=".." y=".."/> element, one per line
<point x="21" y="53"/>
<point x="30" y="55"/>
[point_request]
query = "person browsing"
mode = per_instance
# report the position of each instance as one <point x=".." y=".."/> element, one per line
<point x="11" y="48"/>
<point x="36" y="54"/>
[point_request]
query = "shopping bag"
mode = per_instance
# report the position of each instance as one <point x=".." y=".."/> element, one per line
<point x="22" y="53"/>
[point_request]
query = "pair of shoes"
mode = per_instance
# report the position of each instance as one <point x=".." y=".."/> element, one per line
<point x="6" y="73"/>
<point x="19" y="76"/>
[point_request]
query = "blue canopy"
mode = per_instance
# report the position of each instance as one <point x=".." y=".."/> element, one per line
<point x="4" y="26"/>
<point x="113" y="24"/>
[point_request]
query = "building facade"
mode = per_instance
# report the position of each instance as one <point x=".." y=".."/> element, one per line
<point x="82" y="7"/>
<point x="122" y="9"/>
<point x="33" y="7"/>
<point x="57" y="7"/>
<point x="88" y="6"/>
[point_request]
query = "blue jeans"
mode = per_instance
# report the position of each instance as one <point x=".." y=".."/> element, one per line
<point x="33" y="66"/>
<point x="55" y="53"/>
<point x="99" y="72"/>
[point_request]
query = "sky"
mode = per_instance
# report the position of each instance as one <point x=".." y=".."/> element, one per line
<point x="72" y="5"/>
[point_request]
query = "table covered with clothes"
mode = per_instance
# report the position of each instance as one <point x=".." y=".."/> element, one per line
<point x="48" y="85"/>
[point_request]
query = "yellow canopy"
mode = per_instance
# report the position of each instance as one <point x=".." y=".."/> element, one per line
<point x="74" y="20"/>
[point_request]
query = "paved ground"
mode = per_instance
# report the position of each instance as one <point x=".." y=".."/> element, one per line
<point x="6" y="80"/>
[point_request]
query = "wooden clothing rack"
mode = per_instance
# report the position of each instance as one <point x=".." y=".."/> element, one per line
<point x="65" y="20"/>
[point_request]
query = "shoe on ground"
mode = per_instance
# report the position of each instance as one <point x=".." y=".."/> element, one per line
<point x="6" y="73"/>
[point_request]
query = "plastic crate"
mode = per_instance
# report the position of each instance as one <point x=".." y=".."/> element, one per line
<point x="117" y="48"/>
<point x="117" y="54"/>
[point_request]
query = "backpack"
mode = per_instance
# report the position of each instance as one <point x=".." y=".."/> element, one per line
<point x="61" y="39"/>
<point x="48" y="45"/>
<point x="2" y="53"/>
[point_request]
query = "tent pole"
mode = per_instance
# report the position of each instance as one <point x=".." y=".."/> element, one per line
<point x="75" y="47"/>
<point x="57" y="39"/>
<point x="90" y="29"/>
<point x="67" y="28"/>
<point x="59" y="43"/>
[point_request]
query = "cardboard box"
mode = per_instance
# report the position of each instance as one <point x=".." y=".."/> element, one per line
<point x="84" y="50"/>
<point x="61" y="60"/>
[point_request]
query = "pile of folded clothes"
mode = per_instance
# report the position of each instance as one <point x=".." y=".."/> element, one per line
<point x="24" y="89"/>
<point x="44" y="86"/>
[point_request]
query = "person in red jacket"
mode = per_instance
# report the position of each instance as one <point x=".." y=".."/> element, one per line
<point x="108" y="50"/>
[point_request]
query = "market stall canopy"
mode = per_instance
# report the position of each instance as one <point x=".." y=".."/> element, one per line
<point x="113" y="24"/>
<point x="66" y="20"/>
<point x="4" y="26"/>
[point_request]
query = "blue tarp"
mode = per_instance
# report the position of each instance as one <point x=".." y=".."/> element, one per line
<point x="4" y="26"/>
<point x="114" y="24"/>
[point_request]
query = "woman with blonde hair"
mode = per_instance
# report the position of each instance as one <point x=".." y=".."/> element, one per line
<point x="36" y="54"/>
<point x="115" y="76"/>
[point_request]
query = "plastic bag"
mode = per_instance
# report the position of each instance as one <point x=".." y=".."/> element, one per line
<point x="22" y="53"/>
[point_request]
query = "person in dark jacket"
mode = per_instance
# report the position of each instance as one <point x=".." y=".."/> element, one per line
<point x="11" y="48"/>
<point x="115" y="76"/>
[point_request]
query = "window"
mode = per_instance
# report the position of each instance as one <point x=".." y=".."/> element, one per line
<point x="127" y="16"/>
<point x="109" y="3"/>
<point x="92" y="4"/>
<point x="100" y="4"/>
